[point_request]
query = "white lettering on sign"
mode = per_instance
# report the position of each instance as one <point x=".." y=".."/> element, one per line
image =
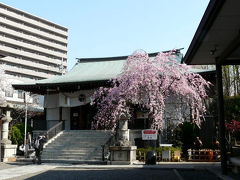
<point x="149" y="134"/>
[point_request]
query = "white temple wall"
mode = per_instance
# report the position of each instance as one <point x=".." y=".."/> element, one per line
<point x="52" y="117"/>
<point x="66" y="117"/>
<point x="53" y="102"/>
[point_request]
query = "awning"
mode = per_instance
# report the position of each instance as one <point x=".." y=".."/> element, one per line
<point x="217" y="41"/>
<point x="218" y="35"/>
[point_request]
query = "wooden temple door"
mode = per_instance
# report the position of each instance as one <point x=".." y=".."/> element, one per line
<point x="78" y="118"/>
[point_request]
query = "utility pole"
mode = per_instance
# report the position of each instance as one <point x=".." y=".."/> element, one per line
<point x="25" y="129"/>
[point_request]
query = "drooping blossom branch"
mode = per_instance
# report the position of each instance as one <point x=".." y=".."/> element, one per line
<point x="148" y="82"/>
<point x="233" y="126"/>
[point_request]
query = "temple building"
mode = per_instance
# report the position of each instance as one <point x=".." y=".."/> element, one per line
<point x="68" y="97"/>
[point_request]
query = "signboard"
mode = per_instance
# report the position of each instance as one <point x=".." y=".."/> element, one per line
<point x="149" y="134"/>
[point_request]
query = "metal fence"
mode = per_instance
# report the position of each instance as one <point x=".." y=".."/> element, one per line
<point x="203" y="155"/>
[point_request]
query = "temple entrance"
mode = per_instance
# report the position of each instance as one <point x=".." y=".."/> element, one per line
<point x="81" y="117"/>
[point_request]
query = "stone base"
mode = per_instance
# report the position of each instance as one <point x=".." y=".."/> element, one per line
<point x="8" y="152"/>
<point x="122" y="155"/>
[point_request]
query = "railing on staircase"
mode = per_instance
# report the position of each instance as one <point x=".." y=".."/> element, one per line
<point x="53" y="131"/>
<point x="60" y="126"/>
<point x="105" y="148"/>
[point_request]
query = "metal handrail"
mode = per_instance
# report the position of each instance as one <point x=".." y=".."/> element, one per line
<point x="53" y="131"/>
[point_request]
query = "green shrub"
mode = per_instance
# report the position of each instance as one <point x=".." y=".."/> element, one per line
<point x="17" y="133"/>
<point x="159" y="149"/>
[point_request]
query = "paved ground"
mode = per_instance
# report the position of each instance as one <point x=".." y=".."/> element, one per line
<point x="165" y="171"/>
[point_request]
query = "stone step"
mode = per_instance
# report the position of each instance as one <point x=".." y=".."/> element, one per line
<point x="73" y="161"/>
<point x="92" y="133"/>
<point x="83" y="156"/>
<point x="77" y="142"/>
<point x="86" y="131"/>
<point x="82" y="138"/>
<point x="71" y="156"/>
<point x="84" y="150"/>
<point x="79" y="145"/>
<point x="75" y="154"/>
<point x="73" y="147"/>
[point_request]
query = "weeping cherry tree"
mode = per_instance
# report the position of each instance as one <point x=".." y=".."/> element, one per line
<point x="148" y="82"/>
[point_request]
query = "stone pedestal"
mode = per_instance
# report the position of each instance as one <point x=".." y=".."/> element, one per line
<point x="123" y="153"/>
<point x="8" y="152"/>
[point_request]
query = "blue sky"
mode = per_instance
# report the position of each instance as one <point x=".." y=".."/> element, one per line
<point x="103" y="28"/>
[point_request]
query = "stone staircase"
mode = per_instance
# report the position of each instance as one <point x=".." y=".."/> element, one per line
<point x="76" y="146"/>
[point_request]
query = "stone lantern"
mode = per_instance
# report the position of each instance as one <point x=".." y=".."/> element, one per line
<point x="8" y="150"/>
<point x="122" y="153"/>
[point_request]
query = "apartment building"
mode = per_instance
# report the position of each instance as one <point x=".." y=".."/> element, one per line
<point x="34" y="47"/>
<point x="31" y="48"/>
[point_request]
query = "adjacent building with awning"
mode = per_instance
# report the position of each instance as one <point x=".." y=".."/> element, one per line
<point x="217" y="42"/>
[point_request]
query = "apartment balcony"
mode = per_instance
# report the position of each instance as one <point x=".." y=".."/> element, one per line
<point x="32" y="47"/>
<point x="27" y="72"/>
<point x="34" y="22"/>
<point x="32" y="55"/>
<point x="32" y="38"/>
<point x="30" y="64"/>
<point x="33" y="30"/>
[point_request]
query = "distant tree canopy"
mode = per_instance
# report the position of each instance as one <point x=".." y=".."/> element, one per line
<point x="147" y="82"/>
<point x="232" y="108"/>
<point x="231" y="80"/>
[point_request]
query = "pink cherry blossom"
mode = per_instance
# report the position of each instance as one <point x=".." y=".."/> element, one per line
<point x="148" y="82"/>
<point x="233" y="126"/>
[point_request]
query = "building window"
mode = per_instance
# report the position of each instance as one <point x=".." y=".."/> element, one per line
<point x="20" y="94"/>
<point x="9" y="93"/>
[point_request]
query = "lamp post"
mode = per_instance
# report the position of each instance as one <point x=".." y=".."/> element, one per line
<point x="25" y="126"/>
<point x="26" y="99"/>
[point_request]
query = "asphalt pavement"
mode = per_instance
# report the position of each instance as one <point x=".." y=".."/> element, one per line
<point x="163" y="171"/>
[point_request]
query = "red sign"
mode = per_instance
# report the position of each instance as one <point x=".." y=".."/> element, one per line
<point x="149" y="131"/>
<point x="149" y="134"/>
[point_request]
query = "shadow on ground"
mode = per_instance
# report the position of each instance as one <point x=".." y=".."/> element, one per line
<point x="126" y="174"/>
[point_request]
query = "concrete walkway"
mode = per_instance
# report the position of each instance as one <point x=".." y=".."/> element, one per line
<point x="14" y="170"/>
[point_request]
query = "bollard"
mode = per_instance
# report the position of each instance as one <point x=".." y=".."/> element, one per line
<point x="151" y="158"/>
